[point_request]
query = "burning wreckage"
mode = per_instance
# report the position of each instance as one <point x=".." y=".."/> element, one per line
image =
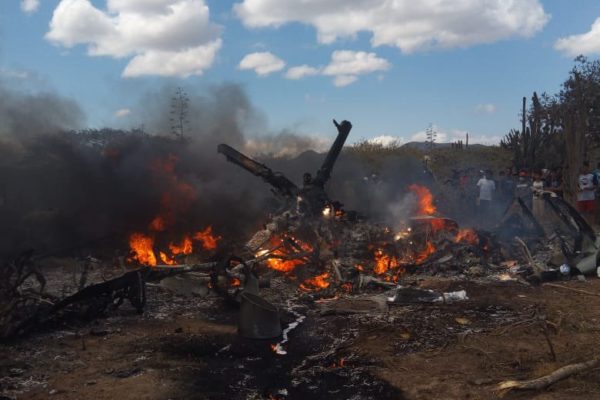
<point x="314" y="259"/>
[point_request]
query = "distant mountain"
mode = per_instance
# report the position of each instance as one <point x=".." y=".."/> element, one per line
<point x="425" y="145"/>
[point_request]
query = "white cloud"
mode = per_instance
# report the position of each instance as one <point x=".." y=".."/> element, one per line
<point x="263" y="63"/>
<point x="485" y="108"/>
<point x="387" y="140"/>
<point x="301" y="71"/>
<point x="311" y="99"/>
<point x="352" y="63"/>
<point x="586" y="43"/>
<point x="344" y="80"/>
<point x="345" y="67"/>
<point x="30" y="6"/>
<point x="407" y="24"/>
<point x="123" y="112"/>
<point x="163" y="37"/>
<point x="452" y="135"/>
<point x="286" y="145"/>
<point x="421" y="136"/>
<point x="14" y="73"/>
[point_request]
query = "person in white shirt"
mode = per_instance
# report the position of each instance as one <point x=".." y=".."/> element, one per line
<point x="486" y="190"/>
<point x="537" y="188"/>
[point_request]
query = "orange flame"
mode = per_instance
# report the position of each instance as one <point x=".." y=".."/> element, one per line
<point x="235" y="282"/>
<point x="425" y="199"/>
<point x="174" y="201"/>
<point x="316" y="283"/>
<point x="384" y="262"/>
<point x="437" y="224"/>
<point x="209" y="241"/>
<point x="282" y="265"/>
<point x="424" y="255"/>
<point x="467" y="235"/>
<point x="157" y="224"/>
<point x="347" y="287"/>
<point x="142" y="248"/>
<point x="277" y="262"/>
<point x="166" y="259"/>
<point x="184" y="248"/>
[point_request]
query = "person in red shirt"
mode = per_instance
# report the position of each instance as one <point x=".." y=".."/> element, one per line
<point x="586" y="196"/>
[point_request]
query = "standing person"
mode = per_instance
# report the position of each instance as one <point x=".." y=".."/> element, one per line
<point x="523" y="188"/>
<point x="556" y="182"/>
<point x="537" y="187"/>
<point x="586" y="197"/>
<point x="597" y="171"/>
<point x="508" y="186"/>
<point x="463" y="183"/>
<point x="486" y="190"/>
<point x="501" y="179"/>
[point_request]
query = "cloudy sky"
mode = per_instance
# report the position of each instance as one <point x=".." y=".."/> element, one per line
<point x="391" y="67"/>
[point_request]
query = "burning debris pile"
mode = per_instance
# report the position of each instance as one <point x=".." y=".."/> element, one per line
<point x="324" y="248"/>
<point x="316" y="246"/>
<point x="310" y="261"/>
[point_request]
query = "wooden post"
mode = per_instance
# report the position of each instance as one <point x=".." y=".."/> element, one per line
<point x="524" y="115"/>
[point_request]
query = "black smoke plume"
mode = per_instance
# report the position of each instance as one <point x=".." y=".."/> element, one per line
<point x="64" y="190"/>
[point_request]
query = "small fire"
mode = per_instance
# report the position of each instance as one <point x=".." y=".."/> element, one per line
<point x="424" y="255"/>
<point x="278" y="258"/>
<point x="467" y="235"/>
<point x="505" y="277"/>
<point x="384" y="262"/>
<point x="425" y="199"/>
<point x="142" y="248"/>
<point x="209" y="241"/>
<point x="339" y="364"/>
<point x="261" y="253"/>
<point x="282" y="265"/>
<point x="235" y="282"/>
<point x="316" y="283"/>
<point x="157" y="224"/>
<point x="185" y="247"/>
<point x="437" y="224"/>
<point x="175" y="200"/>
<point x="166" y="259"/>
<point x="403" y="234"/>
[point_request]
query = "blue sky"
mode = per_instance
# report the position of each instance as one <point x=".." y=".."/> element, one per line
<point x="462" y="65"/>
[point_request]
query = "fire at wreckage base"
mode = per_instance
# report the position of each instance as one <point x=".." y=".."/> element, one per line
<point x="312" y="262"/>
<point x="322" y="250"/>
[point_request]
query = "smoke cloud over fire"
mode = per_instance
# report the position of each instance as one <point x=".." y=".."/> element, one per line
<point x="64" y="189"/>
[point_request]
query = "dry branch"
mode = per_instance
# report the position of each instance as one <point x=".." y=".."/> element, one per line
<point x="547" y="380"/>
<point x="572" y="289"/>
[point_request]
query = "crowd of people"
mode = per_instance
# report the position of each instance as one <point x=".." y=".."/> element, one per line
<point x="495" y="193"/>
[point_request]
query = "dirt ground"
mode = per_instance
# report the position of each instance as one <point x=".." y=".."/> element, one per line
<point x="188" y="348"/>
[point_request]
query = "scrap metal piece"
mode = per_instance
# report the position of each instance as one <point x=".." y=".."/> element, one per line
<point x="518" y="219"/>
<point x="324" y="173"/>
<point x="259" y="319"/>
<point x="311" y="197"/>
<point x="281" y="185"/>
